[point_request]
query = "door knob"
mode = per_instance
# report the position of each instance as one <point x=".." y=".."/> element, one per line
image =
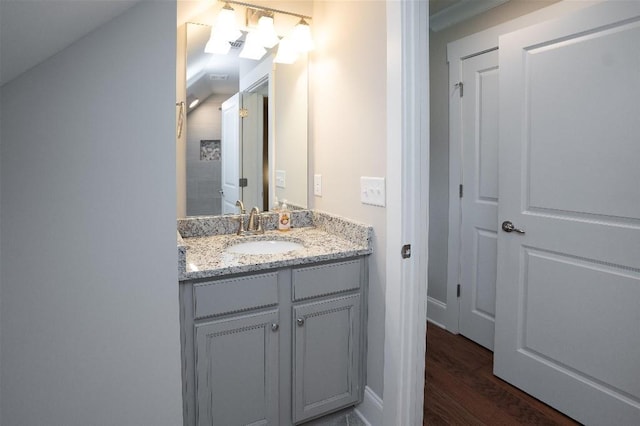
<point x="300" y="322"/>
<point x="507" y="226"/>
<point x="275" y="326"/>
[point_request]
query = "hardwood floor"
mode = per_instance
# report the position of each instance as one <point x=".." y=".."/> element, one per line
<point x="461" y="389"/>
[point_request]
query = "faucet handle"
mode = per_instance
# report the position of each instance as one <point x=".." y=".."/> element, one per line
<point x="260" y="228"/>
<point x="241" y="226"/>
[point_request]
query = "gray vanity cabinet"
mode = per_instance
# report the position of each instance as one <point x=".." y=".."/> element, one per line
<point x="230" y="331"/>
<point x="327" y="339"/>
<point x="237" y="370"/>
<point x="273" y="348"/>
<point x="326" y="373"/>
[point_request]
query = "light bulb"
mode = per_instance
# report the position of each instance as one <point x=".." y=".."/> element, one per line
<point x="253" y="48"/>
<point x="226" y="27"/>
<point x="302" y="36"/>
<point x="217" y="44"/>
<point x="287" y="52"/>
<point x="267" y="32"/>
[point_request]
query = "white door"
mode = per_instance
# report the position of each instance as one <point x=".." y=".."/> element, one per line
<point x="568" y="289"/>
<point x="230" y="154"/>
<point x="252" y="146"/>
<point x="479" y="203"/>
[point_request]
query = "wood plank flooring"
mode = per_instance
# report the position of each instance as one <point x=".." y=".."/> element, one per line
<point x="461" y="389"/>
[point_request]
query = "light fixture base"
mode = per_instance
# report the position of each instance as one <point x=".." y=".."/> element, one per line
<point x="254" y="15"/>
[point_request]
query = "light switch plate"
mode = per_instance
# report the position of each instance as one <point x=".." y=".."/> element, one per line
<point x="317" y="185"/>
<point x="372" y="191"/>
<point x="281" y="179"/>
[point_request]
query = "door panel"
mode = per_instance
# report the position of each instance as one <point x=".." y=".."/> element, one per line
<point x="252" y="141"/>
<point x="568" y="289"/>
<point x="326" y="356"/>
<point x="479" y="216"/>
<point x="550" y="324"/>
<point x="604" y="164"/>
<point x="230" y="153"/>
<point x="237" y="371"/>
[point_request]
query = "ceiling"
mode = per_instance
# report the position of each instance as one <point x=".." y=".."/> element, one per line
<point x="34" y="30"/>
<point x="436" y="6"/>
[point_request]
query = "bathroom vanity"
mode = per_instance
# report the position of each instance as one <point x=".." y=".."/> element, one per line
<point x="278" y="338"/>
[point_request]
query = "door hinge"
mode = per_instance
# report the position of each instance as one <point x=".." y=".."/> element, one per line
<point x="460" y="85"/>
<point x="406" y="251"/>
<point x="244" y="112"/>
<point x="242" y="183"/>
<point x="458" y="291"/>
<point x="461" y="190"/>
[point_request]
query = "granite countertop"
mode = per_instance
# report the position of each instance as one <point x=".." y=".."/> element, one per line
<point x="326" y="238"/>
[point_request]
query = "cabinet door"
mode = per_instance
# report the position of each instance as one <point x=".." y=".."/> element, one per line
<point x="327" y="355"/>
<point x="237" y="371"/>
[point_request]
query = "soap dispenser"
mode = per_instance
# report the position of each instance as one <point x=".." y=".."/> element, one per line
<point x="284" y="217"/>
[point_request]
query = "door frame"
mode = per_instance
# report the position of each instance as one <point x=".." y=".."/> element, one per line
<point x="407" y="165"/>
<point x="447" y="313"/>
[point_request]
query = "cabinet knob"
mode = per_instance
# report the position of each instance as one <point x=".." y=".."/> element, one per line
<point x="300" y="322"/>
<point x="275" y="326"/>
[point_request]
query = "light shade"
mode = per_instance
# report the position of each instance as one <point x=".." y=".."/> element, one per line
<point x="288" y="52"/>
<point x="217" y="44"/>
<point x="226" y="27"/>
<point x="253" y="48"/>
<point x="266" y="32"/>
<point x="301" y="35"/>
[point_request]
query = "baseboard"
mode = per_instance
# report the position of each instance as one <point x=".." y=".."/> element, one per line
<point x="436" y="312"/>
<point x="370" y="410"/>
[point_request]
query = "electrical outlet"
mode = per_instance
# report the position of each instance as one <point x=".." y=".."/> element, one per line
<point x="317" y="185"/>
<point x="281" y="179"/>
<point x="372" y="191"/>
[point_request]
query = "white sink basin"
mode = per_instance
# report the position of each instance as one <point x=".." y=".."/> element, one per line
<point x="264" y="247"/>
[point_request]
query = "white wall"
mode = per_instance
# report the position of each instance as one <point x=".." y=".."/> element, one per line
<point x="89" y="296"/>
<point x="439" y="150"/>
<point x="348" y="134"/>
<point x="291" y="130"/>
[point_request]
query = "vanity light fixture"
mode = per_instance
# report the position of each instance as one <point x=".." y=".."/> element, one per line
<point x="253" y="48"/>
<point x="217" y="45"/>
<point x="261" y="35"/>
<point x="288" y="52"/>
<point x="302" y="36"/>
<point x="226" y="27"/>
<point x="267" y="32"/>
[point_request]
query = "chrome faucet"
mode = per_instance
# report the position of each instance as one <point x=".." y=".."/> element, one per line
<point x="255" y="221"/>
<point x="241" y="228"/>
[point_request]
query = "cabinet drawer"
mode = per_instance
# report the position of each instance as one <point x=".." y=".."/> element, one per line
<point x="326" y="279"/>
<point x="236" y="294"/>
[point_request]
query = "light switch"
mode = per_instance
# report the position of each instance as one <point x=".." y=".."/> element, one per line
<point x="317" y="185"/>
<point x="372" y="191"/>
<point x="281" y="179"/>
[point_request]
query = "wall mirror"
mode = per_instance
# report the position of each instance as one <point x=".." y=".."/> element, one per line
<point x="246" y="127"/>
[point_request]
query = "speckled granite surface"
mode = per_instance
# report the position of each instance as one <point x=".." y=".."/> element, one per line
<point x="200" y="226"/>
<point x="324" y="237"/>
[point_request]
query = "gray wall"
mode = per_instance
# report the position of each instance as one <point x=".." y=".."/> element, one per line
<point x="0" y="257"/>
<point x="439" y="150"/>
<point x="89" y="309"/>
<point x="204" y="177"/>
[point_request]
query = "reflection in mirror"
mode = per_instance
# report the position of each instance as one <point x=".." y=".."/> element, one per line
<point x="247" y="135"/>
